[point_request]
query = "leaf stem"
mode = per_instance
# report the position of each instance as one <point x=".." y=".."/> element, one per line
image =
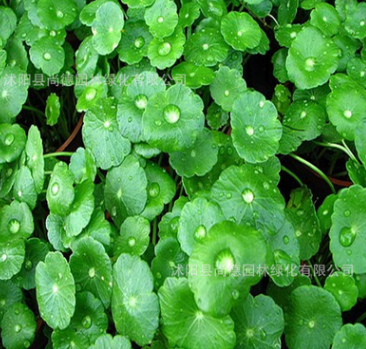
<point x="361" y="318"/>
<point x="61" y="153"/>
<point x="34" y="110"/>
<point x="344" y="148"/>
<point x="155" y="231"/>
<point x="314" y="274"/>
<point x="274" y="19"/>
<point x="315" y="169"/>
<point x="293" y="175"/>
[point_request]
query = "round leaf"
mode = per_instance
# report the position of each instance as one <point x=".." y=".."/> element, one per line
<point x="55" y="290"/>
<point x="258" y="118"/>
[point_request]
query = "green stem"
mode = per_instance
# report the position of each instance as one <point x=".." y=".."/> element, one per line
<point x="344" y="148"/>
<point x="5" y="4"/>
<point x="274" y="19"/>
<point x="314" y="274"/>
<point x="361" y="318"/>
<point x="315" y="169"/>
<point x="155" y="231"/>
<point x="351" y="155"/>
<point x="101" y="175"/>
<point x="61" y="153"/>
<point x="34" y="110"/>
<point x="293" y="175"/>
<point x="241" y="7"/>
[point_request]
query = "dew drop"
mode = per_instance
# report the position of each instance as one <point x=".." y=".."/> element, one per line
<point x="249" y="130"/>
<point x="164" y="49"/>
<point x="347" y="213"/>
<point x="131" y="241"/>
<point x="9" y="139"/>
<point x="154" y="190"/>
<point x="55" y="188"/>
<point x="225" y="261"/>
<point x="91" y="272"/>
<point x="347" y="236"/>
<point x="17" y="328"/>
<point x="28" y="265"/>
<point x="140" y="102"/>
<point x="248" y="196"/>
<point x="235" y="294"/>
<point x="286" y="240"/>
<point x="90" y="94"/>
<point x="171" y="113"/>
<point x="86" y="322"/>
<point x="347" y="114"/>
<point x="200" y="233"/>
<point x="59" y="14"/>
<point x="14" y="226"/>
<point x="47" y="56"/>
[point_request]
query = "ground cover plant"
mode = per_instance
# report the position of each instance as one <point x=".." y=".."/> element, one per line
<point x="183" y="174"/>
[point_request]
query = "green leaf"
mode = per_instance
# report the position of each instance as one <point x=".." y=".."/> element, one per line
<point x="307" y="119"/>
<point x="287" y="11"/>
<point x="12" y="257"/>
<point x="135" y="308"/>
<point x="325" y="212"/>
<point x="35" y="161"/>
<point x="9" y="294"/>
<point x="227" y="87"/>
<point x="106" y="341"/>
<point x="286" y="34"/>
<point x="86" y="56"/>
<point x="125" y="190"/>
<point x="69" y="337"/>
<point x="173" y="119"/>
<point x="215" y="9"/>
<point x="89" y="318"/>
<point x="138" y="3"/>
<point x="8" y="23"/>
<point x="47" y="55"/>
<point x="169" y="260"/>
<point x="82" y="165"/>
<point x="18" y="327"/>
<point x="312" y="318"/>
<point x="343" y="288"/>
<point x="134" y="236"/>
<point x="348" y="47"/>
<point x="60" y="191"/>
<point x="308" y="64"/>
<point x="52" y="109"/>
<point x="281" y="237"/>
<point x="134" y="43"/>
<point x="279" y="65"/>
<point x="161" y="189"/>
<point x="188" y="13"/>
<point x="190" y="327"/>
<point x="259" y="323"/>
<point x="107" y="27"/>
<point x="281" y="295"/>
<point x="163" y="53"/>
<point x="162" y="18"/>
<point x="35" y="252"/>
<point x="197" y="160"/>
<point x="345" y="107"/>
<point x="133" y="102"/>
<point x="16" y="222"/>
<point x="191" y="75"/>
<point x="350" y="337"/>
<point x="307" y="230"/>
<point x="81" y="209"/>
<point x="24" y="188"/>
<point x="92" y="269"/>
<point x="102" y="137"/>
<point x="326" y="18"/>
<point x="216" y="117"/>
<point x="356" y="172"/>
<point x="240" y="31"/>
<point x="355" y="23"/>
<point x="55" y="290"/>
<point x="258" y="117"/>
<point x="356" y="69"/>
<point x="8" y="174"/>
<point x="206" y="47"/>
<point x="196" y="219"/>
<point x="56" y="14"/>
<point x="347" y="234"/>
<point x="220" y="259"/>
<point x="246" y="194"/>
<point x="12" y="142"/>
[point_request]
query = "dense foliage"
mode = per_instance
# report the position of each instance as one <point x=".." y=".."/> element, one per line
<point x="190" y="214"/>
